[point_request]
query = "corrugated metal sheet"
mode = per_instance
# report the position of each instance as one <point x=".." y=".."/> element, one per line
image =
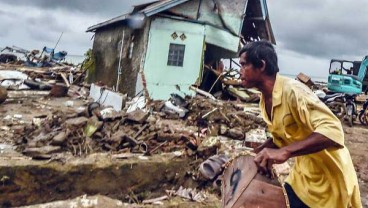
<point x="221" y="38"/>
<point x="161" y="6"/>
<point x="230" y="11"/>
<point x="108" y="22"/>
<point x="207" y="11"/>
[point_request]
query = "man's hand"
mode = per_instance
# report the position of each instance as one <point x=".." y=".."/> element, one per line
<point x="268" y="156"/>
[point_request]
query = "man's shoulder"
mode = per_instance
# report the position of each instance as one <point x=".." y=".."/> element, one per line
<point x="290" y="81"/>
<point x="290" y="85"/>
<point x="295" y="87"/>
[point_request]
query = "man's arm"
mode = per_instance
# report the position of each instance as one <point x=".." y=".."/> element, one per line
<point x="312" y="144"/>
<point x="267" y="144"/>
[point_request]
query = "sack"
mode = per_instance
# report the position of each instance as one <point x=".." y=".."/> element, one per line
<point x="243" y="186"/>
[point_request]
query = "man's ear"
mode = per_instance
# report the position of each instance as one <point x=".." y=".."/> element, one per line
<point x="263" y="67"/>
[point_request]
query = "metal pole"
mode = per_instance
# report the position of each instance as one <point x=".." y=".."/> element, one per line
<point x="58" y="40"/>
<point x="119" y="66"/>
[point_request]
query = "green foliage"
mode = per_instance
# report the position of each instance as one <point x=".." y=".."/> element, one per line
<point x="89" y="64"/>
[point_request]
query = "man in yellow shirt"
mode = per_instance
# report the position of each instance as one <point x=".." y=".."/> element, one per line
<point x="302" y="127"/>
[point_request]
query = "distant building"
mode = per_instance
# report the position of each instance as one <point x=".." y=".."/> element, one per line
<point x="170" y="40"/>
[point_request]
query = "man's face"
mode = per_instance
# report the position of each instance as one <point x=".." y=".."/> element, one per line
<point x="248" y="74"/>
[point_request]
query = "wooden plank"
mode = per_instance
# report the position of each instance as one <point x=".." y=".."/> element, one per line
<point x="261" y="195"/>
<point x="237" y="178"/>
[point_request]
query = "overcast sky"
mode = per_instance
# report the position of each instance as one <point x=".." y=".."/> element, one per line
<point x="308" y="32"/>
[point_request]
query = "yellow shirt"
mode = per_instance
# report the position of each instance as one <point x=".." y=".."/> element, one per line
<point x="323" y="179"/>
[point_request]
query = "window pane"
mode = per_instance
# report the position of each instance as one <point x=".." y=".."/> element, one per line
<point x="176" y="55"/>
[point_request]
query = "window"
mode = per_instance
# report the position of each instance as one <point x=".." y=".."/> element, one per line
<point x="176" y="55"/>
<point x="346" y="82"/>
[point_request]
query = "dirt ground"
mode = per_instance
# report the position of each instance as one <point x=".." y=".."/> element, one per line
<point x="356" y="139"/>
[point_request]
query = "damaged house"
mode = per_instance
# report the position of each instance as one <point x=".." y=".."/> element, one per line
<point x="170" y="41"/>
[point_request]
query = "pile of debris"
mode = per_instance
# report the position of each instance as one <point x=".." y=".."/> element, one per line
<point x="161" y="126"/>
<point x="194" y="127"/>
<point x="25" y="78"/>
<point x="100" y="129"/>
<point x="46" y="58"/>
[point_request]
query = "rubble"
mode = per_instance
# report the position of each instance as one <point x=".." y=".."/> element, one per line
<point x="305" y="80"/>
<point x="53" y="123"/>
<point x="80" y="132"/>
<point x="5" y="58"/>
<point x="50" y="129"/>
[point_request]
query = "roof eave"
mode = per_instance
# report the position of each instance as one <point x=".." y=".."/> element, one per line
<point x="165" y="6"/>
<point x="108" y="22"/>
<point x="149" y="11"/>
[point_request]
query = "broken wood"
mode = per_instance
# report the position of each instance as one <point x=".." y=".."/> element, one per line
<point x="65" y="79"/>
<point x="152" y="201"/>
<point x="140" y="131"/>
<point x="158" y="147"/>
<point x="209" y="113"/>
<point x="250" y="189"/>
<point x="138" y="116"/>
<point x="204" y="93"/>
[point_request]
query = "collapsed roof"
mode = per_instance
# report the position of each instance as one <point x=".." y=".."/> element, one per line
<point x="247" y="19"/>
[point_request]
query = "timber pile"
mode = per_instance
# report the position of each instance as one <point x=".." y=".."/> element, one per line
<point x="42" y="78"/>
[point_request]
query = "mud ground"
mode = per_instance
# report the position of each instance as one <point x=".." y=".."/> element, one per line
<point x="356" y="139"/>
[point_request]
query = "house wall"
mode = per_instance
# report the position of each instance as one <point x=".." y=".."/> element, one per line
<point x="106" y="51"/>
<point x="162" y="79"/>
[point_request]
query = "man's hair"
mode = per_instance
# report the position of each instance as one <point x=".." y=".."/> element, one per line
<point x="261" y="50"/>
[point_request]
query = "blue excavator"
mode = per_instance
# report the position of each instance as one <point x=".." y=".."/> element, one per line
<point x="346" y="79"/>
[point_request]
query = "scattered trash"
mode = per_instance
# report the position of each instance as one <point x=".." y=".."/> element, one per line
<point x="17" y="116"/>
<point x="108" y="97"/>
<point x="176" y="109"/>
<point x="69" y="103"/>
<point x="142" y="157"/>
<point x="136" y="103"/>
<point x="213" y="166"/>
<point x="191" y="194"/>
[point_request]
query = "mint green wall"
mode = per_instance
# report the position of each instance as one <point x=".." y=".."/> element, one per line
<point x="222" y="39"/>
<point x="161" y="78"/>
